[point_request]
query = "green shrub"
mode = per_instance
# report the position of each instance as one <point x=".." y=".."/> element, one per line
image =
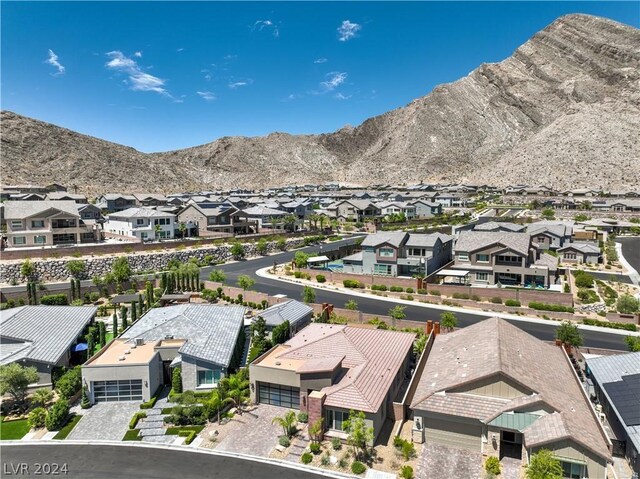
<point x="566" y="288"/>
<point x="336" y="444"/>
<point x="320" y="278"/>
<point x="284" y="441"/>
<point x="58" y="415"/>
<point x="475" y="297"/>
<point x="422" y="291"/>
<point x="325" y="460"/>
<point x="409" y="290"/>
<point x="396" y="289"/>
<point x="460" y="296"/>
<point x="398" y="442"/>
<point x="136" y="417"/>
<point x="492" y="466"/>
<point x="69" y="383"/>
<point x="306" y="458"/>
<point x="558" y="308"/>
<point x="379" y="287"/>
<point x="297" y="274"/>
<point x="406" y="472"/>
<point x="55" y="300"/>
<point x="315" y="448"/>
<point x="358" y="468"/>
<point x="512" y="303"/>
<point x="343" y="463"/>
<point x="434" y="292"/>
<point x="303" y="417"/>
<point x="610" y="324"/>
<point x="496" y="300"/>
<point x="583" y="280"/>
<point x="352" y="283"/>
<point x="37" y="417"/>
<point x="587" y="296"/>
<point x="408" y="450"/>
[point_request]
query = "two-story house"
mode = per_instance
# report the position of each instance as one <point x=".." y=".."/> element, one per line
<point x="147" y="199"/>
<point x="45" y="223"/>
<point x="141" y="223"/>
<point x="426" y="208"/>
<point x="112" y="202"/>
<point x="391" y="208"/>
<point x="551" y="235"/>
<point x="205" y="218"/>
<point x="354" y="210"/>
<point x="399" y="253"/>
<point x="499" y="258"/>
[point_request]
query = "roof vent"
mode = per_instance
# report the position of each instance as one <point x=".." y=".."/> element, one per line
<point x="139" y="341"/>
<point x="121" y="358"/>
<point x="133" y="346"/>
<point x="128" y="351"/>
<point x="278" y="363"/>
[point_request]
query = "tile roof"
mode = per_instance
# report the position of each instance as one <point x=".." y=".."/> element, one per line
<point x="27" y="209"/>
<point x="558" y="229"/>
<point x="46" y="332"/>
<point x="470" y="241"/>
<point x="373" y="358"/>
<point x="582" y="247"/>
<point x="496" y="347"/>
<point x="292" y="311"/>
<point x="426" y="240"/>
<point x="263" y="211"/>
<point x="394" y="238"/>
<point x="141" y="212"/>
<point x="211" y="330"/>
<point x="497" y="226"/>
<point x="547" y="260"/>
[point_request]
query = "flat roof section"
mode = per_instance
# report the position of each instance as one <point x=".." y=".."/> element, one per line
<point x="121" y="348"/>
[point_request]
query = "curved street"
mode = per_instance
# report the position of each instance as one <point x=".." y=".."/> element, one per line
<point x="106" y="461"/>
<point x="379" y="305"/>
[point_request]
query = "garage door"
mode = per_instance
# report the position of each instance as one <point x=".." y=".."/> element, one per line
<point x="453" y="434"/>
<point x="278" y="395"/>
<point x="122" y="390"/>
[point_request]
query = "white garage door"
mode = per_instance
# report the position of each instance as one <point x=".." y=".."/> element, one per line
<point x="453" y="434"/>
<point x="122" y="390"/>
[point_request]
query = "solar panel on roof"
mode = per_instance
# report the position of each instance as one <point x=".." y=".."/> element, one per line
<point x="625" y="396"/>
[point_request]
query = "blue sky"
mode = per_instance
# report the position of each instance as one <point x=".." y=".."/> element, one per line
<point x="168" y="75"/>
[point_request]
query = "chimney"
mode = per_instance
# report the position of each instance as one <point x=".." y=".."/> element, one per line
<point x="429" y="327"/>
<point x="436" y="328"/>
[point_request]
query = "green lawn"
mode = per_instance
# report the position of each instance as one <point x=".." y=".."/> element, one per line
<point x="132" y="435"/>
<point x="177" y="429"/>
<point x="108" y="337"/>
<point x="13" y="429"/>
<point x="64" y="432"/>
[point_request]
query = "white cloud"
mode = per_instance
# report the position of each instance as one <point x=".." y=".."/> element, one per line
<point x="239" y="83"/>
<point x="334" y="80"/>
<point x="138" y="54"/>
<point x="292" y="96"/>
<point x="53" y="61"/>
<point x="320" y="60"/>
<point x="207" y="95"/>
<point x="348" y="30"/>
<point x="340" y="96"/>
<point x="260" y="25"/>
<point x="137" y="79"/>
<point x="179" y="50"/>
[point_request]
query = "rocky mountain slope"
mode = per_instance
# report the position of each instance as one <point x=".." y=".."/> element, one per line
<point x="563" y="111"/>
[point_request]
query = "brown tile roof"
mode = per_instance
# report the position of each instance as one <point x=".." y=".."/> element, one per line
<point x="373" y="358"/>
<point x="496" y="347"/>
<point x="470" y="241"/>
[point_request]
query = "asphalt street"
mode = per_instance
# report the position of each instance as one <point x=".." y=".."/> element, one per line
<point x="134" y="462"/>
<point x="380" y="306"/>
<point x="631" y="250"/>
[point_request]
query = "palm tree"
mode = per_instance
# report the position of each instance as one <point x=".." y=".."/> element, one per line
<point x="157" y="229"/>
<point x="219" y="399"/>
<point x="237" y="389"/>
<point x="287" y="423"/>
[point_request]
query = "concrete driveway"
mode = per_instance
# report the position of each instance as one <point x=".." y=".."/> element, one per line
<point x="253" y="432"/>
<point x="107" y="421"/>
<point x="441" y="462"/>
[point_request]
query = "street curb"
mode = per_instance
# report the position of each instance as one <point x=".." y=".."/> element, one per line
<point x="212" y="452"/>
<point x="263" y="273"/>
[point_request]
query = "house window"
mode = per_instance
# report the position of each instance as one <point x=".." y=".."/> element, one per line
<point x="19" y="240"/>
<point x="37" y="224"/>
<point x="463" y="256"/>
<point x="16" y="224"/>
<point x="335" y="419"/>
<point x="482" y="258"/>
<point x="144" y="235"/>
<point x="572" y="470"/>
<point x="63" y="223"/>
<point x="482" y="276"/>
<point x="417" y="252"/>
<point x="569" y="256"/>
<point x="509" y="259"/>
<point x="207" y="377"/>
<point x="40" y="239"/>
<point x="140" y="221"/>
<point x="161" y="221"/>
<point x="382" y="269"/>
<point x="386" y="252"/>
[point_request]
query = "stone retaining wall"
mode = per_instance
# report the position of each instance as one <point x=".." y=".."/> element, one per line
<point x="55" y="269"/>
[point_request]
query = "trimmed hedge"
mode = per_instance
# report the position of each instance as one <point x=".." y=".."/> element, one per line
<point x="136" y="417"/>
<point x="378" y="287"/>
<point x="320" y="278"/>
<point x="352" y="283"/>
<point x="496" y="300"/>
<point x="396" y="289"/>
<point x="151" y="402"/>
<point x="610" y="324"/>
<point x="512" y="302"/>
<point x="557" y="308"/>
<point x="55" y="300"/>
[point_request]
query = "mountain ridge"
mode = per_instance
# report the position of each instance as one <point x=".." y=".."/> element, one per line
<point x="563" y="110"/>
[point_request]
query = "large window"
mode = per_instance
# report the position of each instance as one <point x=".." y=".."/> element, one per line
<point x="386" y="252"/>
<point x="278" y="395"/>
<point x="37" y="224"/>
<point x="64" y="238"/>
<point x="572" y="470"/>
<point x="16" y="224"/>
<point x="335" y="419"/>
<point x="40" y="239"/>
<point x="384" y="269"/>
<point x="503" y="258"/>
<point x="19" y="240"/>
<point x="463" y="256"/>
<point x="208" y="377"/>
<point x="417" y="252"/>
<point x="482" y="258"/>
<point x="62" y="223"/>
<point x="162" y="221"/>
<point x="482" y="276"/>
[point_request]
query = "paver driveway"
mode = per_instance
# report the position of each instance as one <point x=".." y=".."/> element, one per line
<point x="105" y="421"/>
<point x="441" y="462"/>
<point x="253" y="432"/>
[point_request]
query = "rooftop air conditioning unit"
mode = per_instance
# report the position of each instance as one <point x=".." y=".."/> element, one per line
<point x="139" y="342"/>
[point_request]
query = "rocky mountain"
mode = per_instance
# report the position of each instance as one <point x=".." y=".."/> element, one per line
<point x="563" y="111"/>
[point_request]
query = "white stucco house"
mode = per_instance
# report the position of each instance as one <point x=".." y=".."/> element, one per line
<point x="141" y="223"/>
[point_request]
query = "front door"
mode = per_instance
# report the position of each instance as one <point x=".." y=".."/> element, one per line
<point x="166" y="372"/>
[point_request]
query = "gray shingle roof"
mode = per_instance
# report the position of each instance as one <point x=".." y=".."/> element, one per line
<point x="50" y="330"/>
<point x="426" y="240"/>
<point x="263" y="211"/>
<point x="470" y="241"/>
<point x="582" y="247"/>
<point x="27" y="209"/>
<point x="211" y="330"/>
<point x="292" y="311"/>
<point x="394" y="238"/>
<point x="140" y="213"/>
<point x="497" y="226"/>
